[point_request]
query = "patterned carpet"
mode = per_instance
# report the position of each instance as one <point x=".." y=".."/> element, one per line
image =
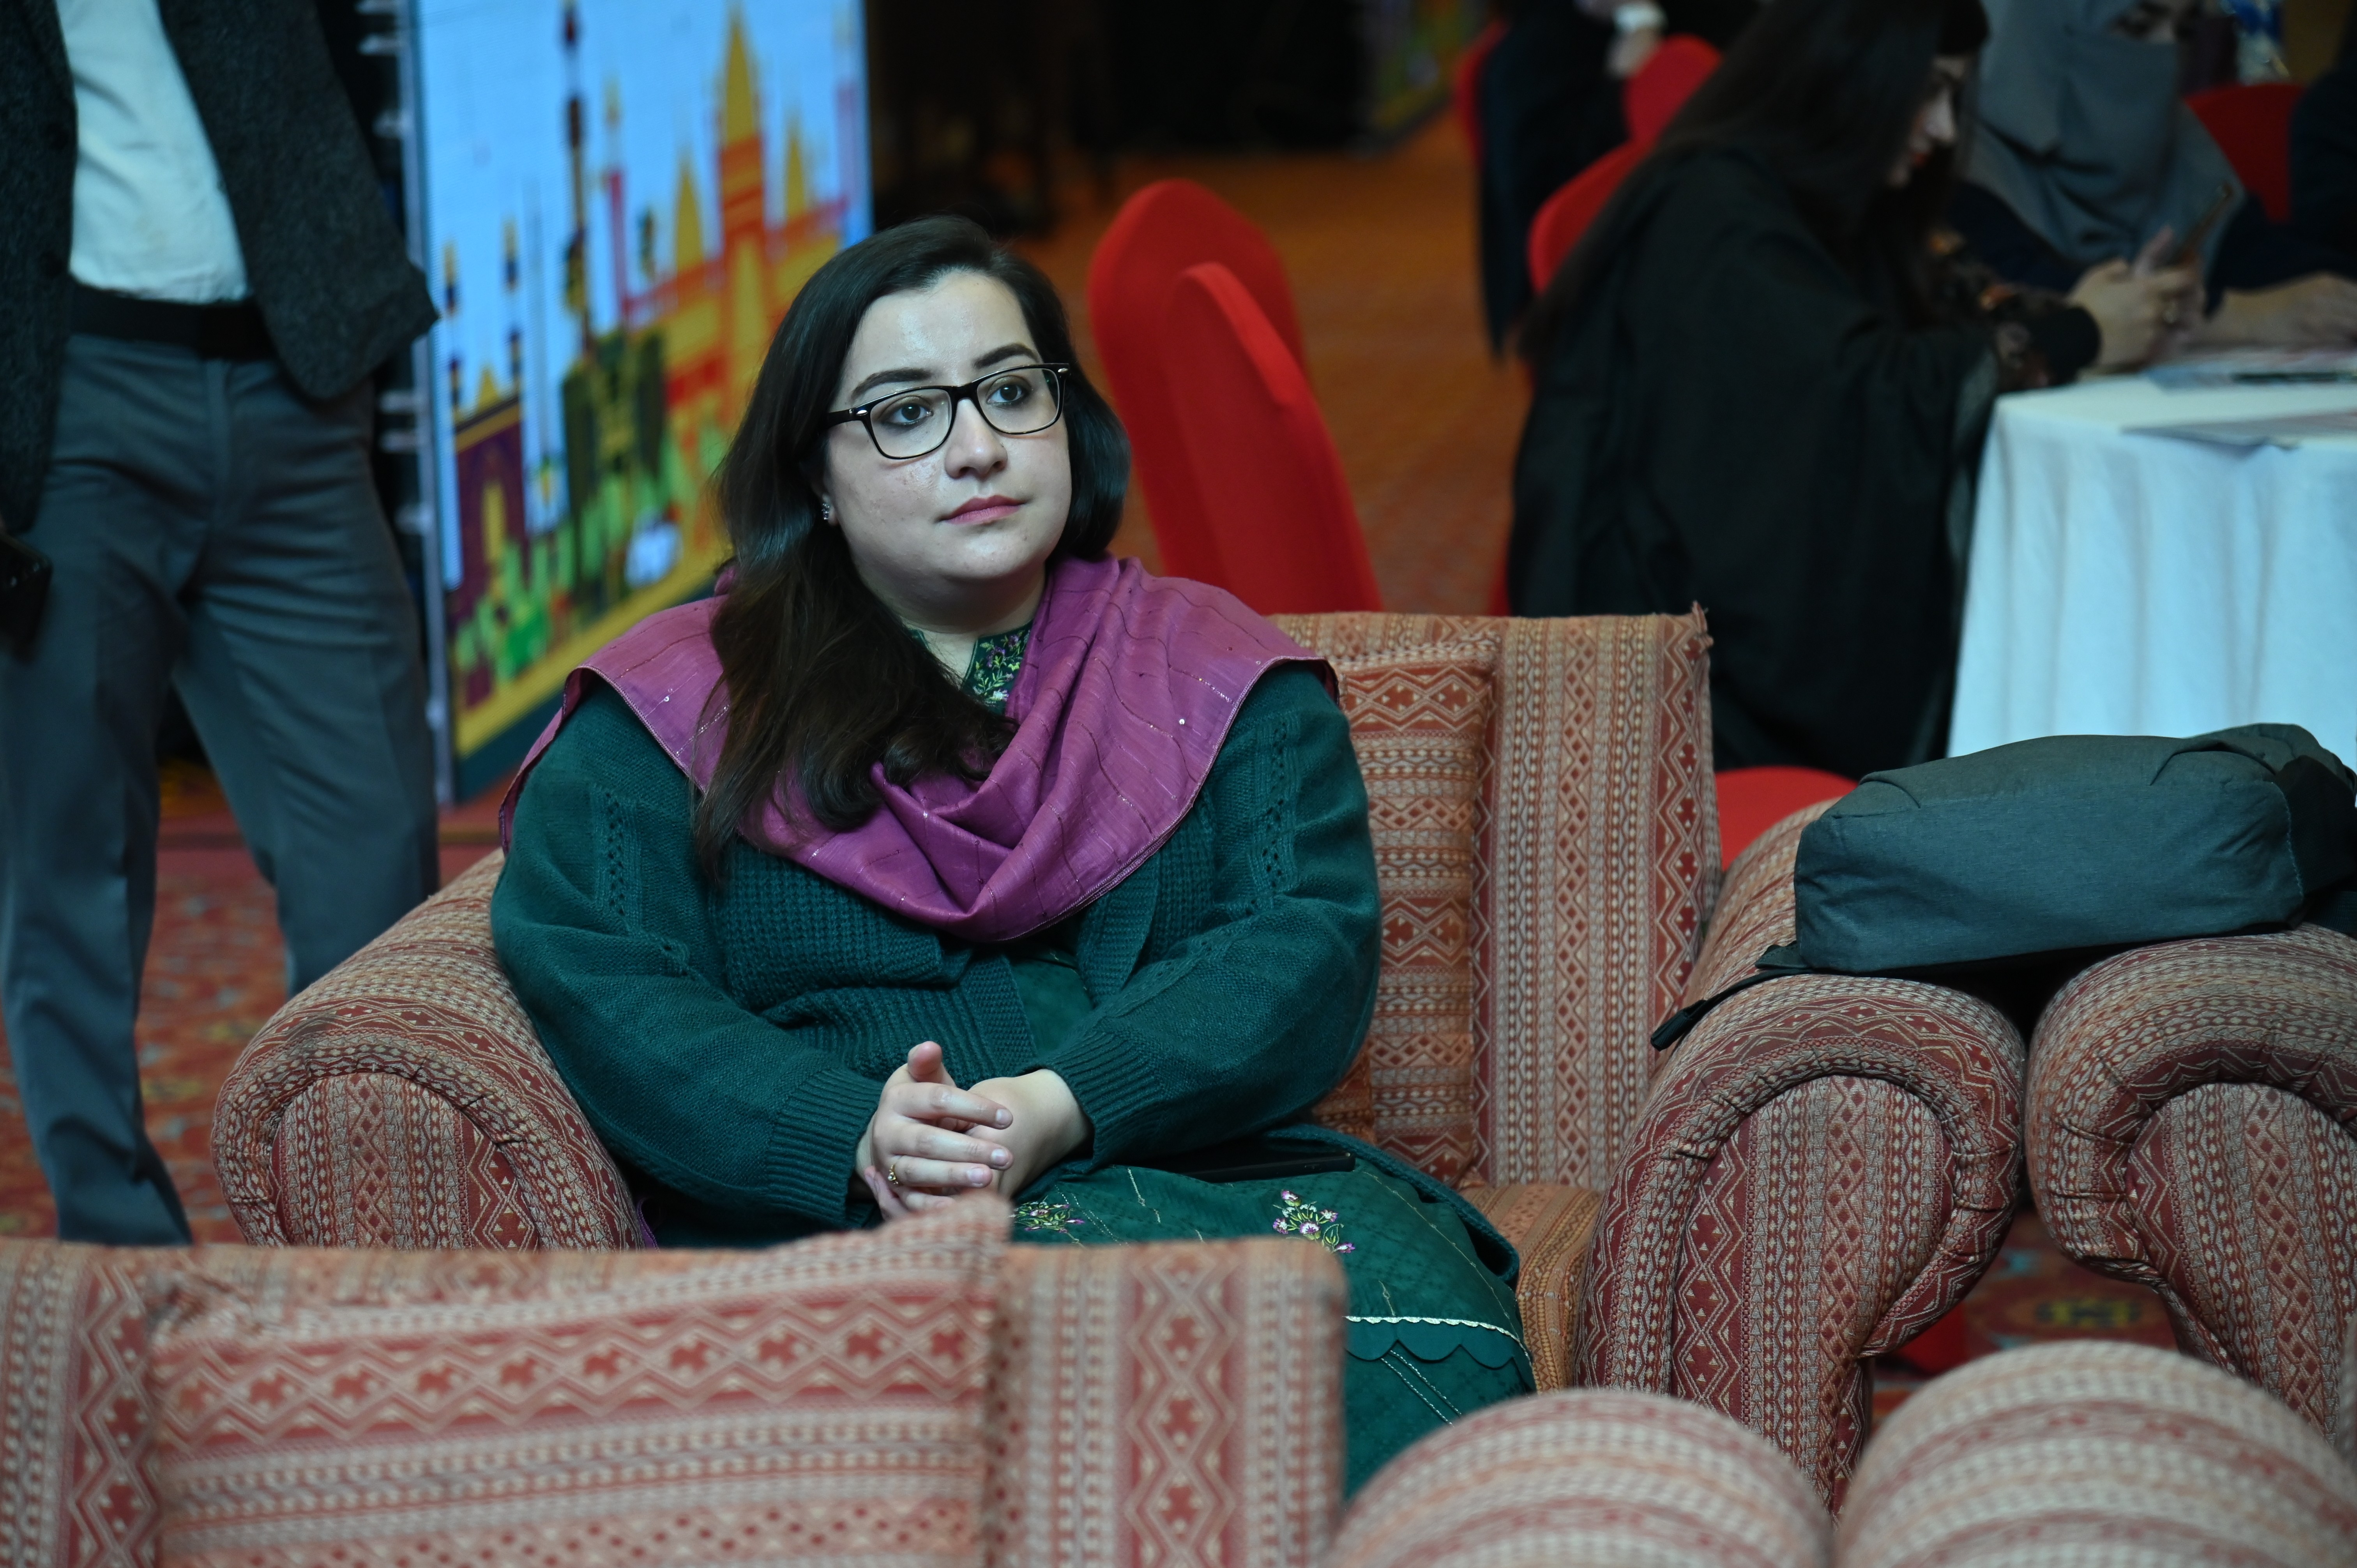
<point x="216" y="970"/>
<point x="2031" y="1294"/>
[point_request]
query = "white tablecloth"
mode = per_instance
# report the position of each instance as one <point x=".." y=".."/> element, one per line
<point x="2144" y="584"/>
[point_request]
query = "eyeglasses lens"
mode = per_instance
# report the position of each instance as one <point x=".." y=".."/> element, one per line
<point x="1021" y="402"/>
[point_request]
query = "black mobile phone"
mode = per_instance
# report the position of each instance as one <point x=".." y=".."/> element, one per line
<point x="24" y="592"/>
<point x="2189" y="253"/>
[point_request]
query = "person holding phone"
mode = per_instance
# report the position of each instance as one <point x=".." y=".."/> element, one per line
<point x="2085" y="157"/>
<point x="200" y="273"/>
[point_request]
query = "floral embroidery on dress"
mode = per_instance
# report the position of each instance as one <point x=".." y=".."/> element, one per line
<point x="1311" y="1223"/>
<point x="1061" y="1218"/>
<point x="997" y="660"/>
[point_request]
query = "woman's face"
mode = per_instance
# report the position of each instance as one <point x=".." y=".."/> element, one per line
<point x="1935" y="121"/>
<point x="958" y="540"/>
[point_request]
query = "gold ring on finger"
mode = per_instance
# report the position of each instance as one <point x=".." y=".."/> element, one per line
<point x="892" y="1172"/>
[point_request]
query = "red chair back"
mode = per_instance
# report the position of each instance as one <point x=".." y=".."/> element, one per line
<point x="1753" y="799"/>
<point x="1159" y="232"/>
<point x="1566" y="214"/>
<point x="1278" y="507"/>
<point x="1663" y="84"/>
<point x="2251" y="125"/>
<point x="1465" y="85"/>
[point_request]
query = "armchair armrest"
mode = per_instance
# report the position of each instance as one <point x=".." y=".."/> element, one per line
<point x="2192" y="1127"/>
<point x="1590" y="1476"/>
<point x="1824" y="1167"/>
<point x="404" y="1100"/>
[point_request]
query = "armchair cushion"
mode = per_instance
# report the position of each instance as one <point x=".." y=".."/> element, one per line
<point x="1419" y="724"/>
<point x="1591" y="1477"/>
<point x="813" y="1402"/>
<point x="2097" y="1451"/>
<point x="1552" y="1226"/>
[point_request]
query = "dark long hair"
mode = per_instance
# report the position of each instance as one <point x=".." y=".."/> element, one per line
<point x="1825" y="92"/>
<point x="822" y="682"/>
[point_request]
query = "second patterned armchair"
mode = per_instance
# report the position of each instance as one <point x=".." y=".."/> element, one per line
<point x="2192" y="1127"/>
<point x="1809" y="1178"/>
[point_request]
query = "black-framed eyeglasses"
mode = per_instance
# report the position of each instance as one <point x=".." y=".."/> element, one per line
<point x="1022" y="400"/>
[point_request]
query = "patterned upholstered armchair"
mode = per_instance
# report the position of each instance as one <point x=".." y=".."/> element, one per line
<point x="2193" y="1126"/>
<point x="1818" y="1171"/>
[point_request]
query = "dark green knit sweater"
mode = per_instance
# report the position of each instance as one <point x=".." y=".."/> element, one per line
<point x="728" y="1044"/>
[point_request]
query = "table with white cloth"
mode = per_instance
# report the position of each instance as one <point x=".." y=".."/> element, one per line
<point x="2123" y="583"/>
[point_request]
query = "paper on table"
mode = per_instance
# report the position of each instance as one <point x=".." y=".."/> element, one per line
<point x="2276" y="430"/>
<point x="2255" y="367"/>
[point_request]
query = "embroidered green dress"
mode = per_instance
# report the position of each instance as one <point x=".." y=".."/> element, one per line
<point x="728" y="1042"/>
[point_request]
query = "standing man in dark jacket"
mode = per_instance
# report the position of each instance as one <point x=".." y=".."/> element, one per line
<point x="198" y="275"/>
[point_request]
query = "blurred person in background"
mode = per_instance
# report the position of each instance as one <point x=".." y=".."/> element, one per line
<point x="201" y="273"/>
<point x="1761" y="386"/>
<point x="2324" y="153"/>
<point x="2086" y="155"/>
<point x="1550" y="106"/>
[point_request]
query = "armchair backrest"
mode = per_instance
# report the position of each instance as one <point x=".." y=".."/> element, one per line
<point x="1596" y="861"/>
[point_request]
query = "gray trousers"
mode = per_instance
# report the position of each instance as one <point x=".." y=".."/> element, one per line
<point x="212" y="529"/>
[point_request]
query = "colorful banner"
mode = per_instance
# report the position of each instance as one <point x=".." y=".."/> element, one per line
<point x="1412" y="48"/>
<point x="621" y="197"/>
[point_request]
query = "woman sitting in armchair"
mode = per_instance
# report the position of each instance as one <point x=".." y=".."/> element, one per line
<point x="940" y="852"/>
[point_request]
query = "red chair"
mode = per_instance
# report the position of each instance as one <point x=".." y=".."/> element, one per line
<point x="1753" y="799"/>
<point x="1159" y="232"/>
<point x="1568" y="213"/>
<point x="1277" y="506"/>
<point x="1465" y="85"/>
<point x="1663" y="84"/>
<point x="2251" y="125"/>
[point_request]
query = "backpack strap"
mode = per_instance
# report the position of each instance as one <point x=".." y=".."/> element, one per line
<point x="1776" y="964"/>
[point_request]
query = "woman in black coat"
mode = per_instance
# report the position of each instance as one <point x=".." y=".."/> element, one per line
<point x="1760" y="388"/>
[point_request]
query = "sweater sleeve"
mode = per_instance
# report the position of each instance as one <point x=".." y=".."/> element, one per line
<point x="1243" y="1022"/>
<point x="603" y="921"/>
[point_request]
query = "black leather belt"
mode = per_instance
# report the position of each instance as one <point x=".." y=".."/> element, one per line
<point x="209" y="331"/>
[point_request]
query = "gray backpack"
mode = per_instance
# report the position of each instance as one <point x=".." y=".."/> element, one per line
<point x="2048" y="853"/>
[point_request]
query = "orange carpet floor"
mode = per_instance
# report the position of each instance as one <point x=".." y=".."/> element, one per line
<point x="1381" y="253"/>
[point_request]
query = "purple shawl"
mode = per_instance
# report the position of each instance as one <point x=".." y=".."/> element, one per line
<point x="1128" y="690"/>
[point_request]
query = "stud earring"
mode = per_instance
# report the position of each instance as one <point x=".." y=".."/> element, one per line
<point x="826" y="513"/>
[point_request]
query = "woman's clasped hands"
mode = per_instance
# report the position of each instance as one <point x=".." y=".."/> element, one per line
<point x="932" y="1142"/>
